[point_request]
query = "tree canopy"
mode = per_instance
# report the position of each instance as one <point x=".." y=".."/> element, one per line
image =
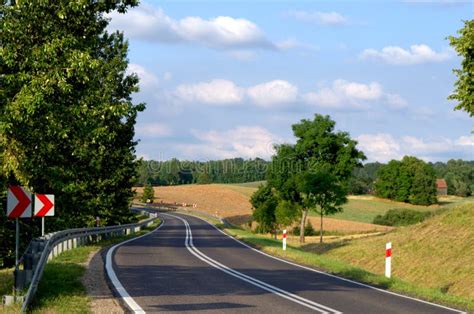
<point x="464" y="86"/>
<point x="66" y="114"/>
<point x="410" y="180"/>
<point x="313" y="173"/>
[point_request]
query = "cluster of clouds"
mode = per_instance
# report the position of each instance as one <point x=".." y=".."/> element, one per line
<point x="256" y="141"/>
<point x="383" y="147"/>
<point x="225" y="92"/>
<point x="240" y="36"/>
<point x="416" y="54"/>
<point x="241" y="141"/>
<point x="341" y="94"/>
<point x="223" y="32"/>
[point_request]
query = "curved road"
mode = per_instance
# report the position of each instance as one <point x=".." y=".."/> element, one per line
<point x="188" y="265"/>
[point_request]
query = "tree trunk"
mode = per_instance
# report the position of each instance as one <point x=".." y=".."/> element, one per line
<point x="321" y="228"/>
<point x="303" y="221"/>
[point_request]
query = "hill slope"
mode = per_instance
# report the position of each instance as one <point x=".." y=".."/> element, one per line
<point x="232" y="202"/>
<point x="437" y="253"/>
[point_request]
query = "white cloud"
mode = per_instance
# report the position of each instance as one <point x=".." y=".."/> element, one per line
<point x="215" y="92"/>
<point x="384" y="147"/>
<point x="466" y="141"/>
<point x="147" y="79"/>
<point x="153" y="130"/>
<point x="152" y="24"/>
<point x="354" y="90"/>
<point x="243" y="55"/>
<point x="242" y="141"/>
<point x="273" y="93"/>
<point x="225" y="92"/>
<point x="341" y="94"/>
<point x="396" y="101"/>
<point x="379" y="147"/>
<point x="321" y="18"/>
<point x="345" y="94"/>
<point x="398" y="56"/>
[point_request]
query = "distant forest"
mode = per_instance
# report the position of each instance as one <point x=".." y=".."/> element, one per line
<point x="459" y="174"/>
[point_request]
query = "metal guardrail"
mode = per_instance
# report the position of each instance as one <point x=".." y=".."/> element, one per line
<point x="177" y="208"/>
<point x="43" y="249"/>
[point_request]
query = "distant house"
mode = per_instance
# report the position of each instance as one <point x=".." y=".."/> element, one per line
<point x="442" y="187"/>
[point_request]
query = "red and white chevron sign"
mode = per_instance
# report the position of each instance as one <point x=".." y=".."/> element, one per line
<point x="18" y="202"/>
<point x="44" y="205"/>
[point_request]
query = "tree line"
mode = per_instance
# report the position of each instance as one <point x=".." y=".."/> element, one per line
<point x="174" y="171"/>
<point x="66" y="114"/>
<point x="459" y="176"/>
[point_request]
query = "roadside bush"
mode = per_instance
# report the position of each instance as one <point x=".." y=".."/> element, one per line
<point x="401" y="217"/>
<point x="308" y="230"/>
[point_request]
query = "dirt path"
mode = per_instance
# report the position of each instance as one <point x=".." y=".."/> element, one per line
<point x="94" y="280"/>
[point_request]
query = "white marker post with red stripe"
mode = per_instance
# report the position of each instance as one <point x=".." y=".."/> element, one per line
<point x="388" y="259"/>
<point x="284" y="240"/>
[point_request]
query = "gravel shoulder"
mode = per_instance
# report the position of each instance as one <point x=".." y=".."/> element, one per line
<point x="95" y="282"/>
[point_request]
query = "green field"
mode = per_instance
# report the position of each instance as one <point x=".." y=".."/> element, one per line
<point x="365" y="210"/>
<point x="246" y="189"/>
<point x="362" y="208"/>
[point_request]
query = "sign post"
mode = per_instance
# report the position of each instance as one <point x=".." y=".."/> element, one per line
<point x="284" y="240"/>
<point x="388" y="259"/>
<point x="44" y="206"/>
<point x="18" y="206"/>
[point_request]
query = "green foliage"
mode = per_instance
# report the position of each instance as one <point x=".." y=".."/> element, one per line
<point x="459" y="176"/>
<point x="401" y="217"/>
<point x="66" y="115"/>
<point x="286" y="213"/>
<point x="148" y="194"/>
<point x="313" y="173"/>
<point x="409" y="180"/>
<point x="308" y="230"/>
<point x="264" y="204"/>
<point x="464" y="86"/>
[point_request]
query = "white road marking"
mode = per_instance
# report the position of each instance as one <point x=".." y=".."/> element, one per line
<point x="327" y="274"/>
<point x="267" y="287"/>
<point x="113" y="277"/>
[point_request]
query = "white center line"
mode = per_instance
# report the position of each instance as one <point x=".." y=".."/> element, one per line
<point x="267" y="287"/>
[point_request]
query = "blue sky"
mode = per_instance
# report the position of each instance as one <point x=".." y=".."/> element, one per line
<point x="228" y="79"/>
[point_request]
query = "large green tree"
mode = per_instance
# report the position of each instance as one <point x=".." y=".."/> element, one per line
<point x="313" y="173"/>
<point x="66" y="116"/>
<point x="464" y="86"/>
<point x="410" y="180"/>
<point x="264" y="203"/>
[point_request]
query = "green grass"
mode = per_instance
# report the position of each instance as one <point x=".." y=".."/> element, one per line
<point x="345" y="269"/>
<point x="255" y="184"/>
<point x="239" y="188"/>
<point x="213" y="221"/>
<point x="361" y="210"/>
<point x="60" y="289"/>
<point x="365" y="210"/>
<point x="6" y="281"/>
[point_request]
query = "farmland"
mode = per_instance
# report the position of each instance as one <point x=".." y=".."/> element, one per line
<point x="231" y="201"/>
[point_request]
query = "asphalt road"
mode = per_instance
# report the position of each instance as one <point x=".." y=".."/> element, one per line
<point x="188" y="265"/>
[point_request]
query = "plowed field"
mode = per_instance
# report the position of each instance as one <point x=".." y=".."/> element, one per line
<point x="228" y="203"/>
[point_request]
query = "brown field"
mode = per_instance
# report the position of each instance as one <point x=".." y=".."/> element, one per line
<point x="230" y="203"/>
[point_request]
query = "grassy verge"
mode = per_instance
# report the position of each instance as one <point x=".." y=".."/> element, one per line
<point x="60" y="289"/>
<point x="344" y="269"/>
